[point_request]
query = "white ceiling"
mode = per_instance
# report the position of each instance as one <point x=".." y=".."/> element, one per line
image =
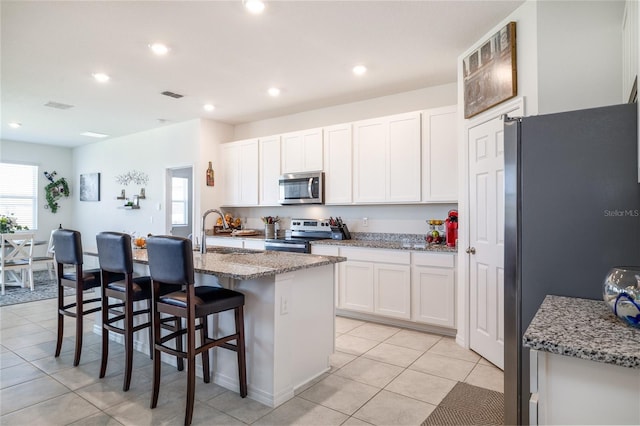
<point x="219" y="54"/>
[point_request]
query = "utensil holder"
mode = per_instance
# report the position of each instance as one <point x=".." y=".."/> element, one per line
<point x="269" y="230"/>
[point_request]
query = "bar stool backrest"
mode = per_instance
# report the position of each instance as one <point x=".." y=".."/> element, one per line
<point x="114" y="252"/>
<point x="68" y="246"/>
<point x="170" y="260"/>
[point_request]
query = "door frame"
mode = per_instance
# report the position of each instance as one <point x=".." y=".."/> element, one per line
<point x="463" y="304"/>
<point x="167" y="196"/>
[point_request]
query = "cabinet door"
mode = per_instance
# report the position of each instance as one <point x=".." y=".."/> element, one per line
<point x="231" y="176"/>
<point x="392" y="290"/>
<point x="269" y="171"/>
<point x="356" y="286"/>
<point x="302" y="151"/>
<point x="369" y="161"/>
<point x="403" y="158"/>
<point x="249" y="173"/>
<point x="440" y="155"/>
<point x="433" y="296"/>
<point x="337" y="164"/>
<point x="254" y="244"/>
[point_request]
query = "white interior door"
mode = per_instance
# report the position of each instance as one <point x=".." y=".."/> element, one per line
<point x="486" y="236"/>
<point x="486" y="240"/>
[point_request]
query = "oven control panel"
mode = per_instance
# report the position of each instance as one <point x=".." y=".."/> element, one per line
<point x="310" y="225"/>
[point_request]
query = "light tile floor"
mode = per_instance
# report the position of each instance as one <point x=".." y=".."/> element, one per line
<point x="380" y="375"/>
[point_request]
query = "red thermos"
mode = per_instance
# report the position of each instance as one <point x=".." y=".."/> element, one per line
<point x="451" y="226"/>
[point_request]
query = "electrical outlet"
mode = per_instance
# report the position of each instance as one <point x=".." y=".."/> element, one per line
<point x="150" y="219"/>
<point x="365" y="221"/>
<point x="284" y="305"/>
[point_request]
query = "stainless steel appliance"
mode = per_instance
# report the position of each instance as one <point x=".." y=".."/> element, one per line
<point x="572" y="212"/>
<point x="302" y="188"/>
<point x="299" y="236"/>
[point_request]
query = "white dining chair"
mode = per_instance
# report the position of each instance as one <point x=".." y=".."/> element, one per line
<point x="47" y="259"/>
<point x="16" y="252"/>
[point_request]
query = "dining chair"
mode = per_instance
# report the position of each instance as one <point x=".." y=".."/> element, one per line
<point x="171" y="263"/>
<point x="48" y="258"/>
<point x="121" y="289"/>
<point x="16" y="251"/>
<point x="68" y="251"/>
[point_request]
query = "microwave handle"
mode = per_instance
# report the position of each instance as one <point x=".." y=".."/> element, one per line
<point x="310" y="187"/>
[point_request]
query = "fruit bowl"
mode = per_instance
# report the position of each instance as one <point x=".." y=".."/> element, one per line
<point x="621" y="292"/>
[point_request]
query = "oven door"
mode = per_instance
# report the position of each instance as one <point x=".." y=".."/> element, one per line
<point x="295" y="246"/>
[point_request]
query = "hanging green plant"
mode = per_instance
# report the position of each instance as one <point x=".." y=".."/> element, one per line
<point x="54" y="191"/>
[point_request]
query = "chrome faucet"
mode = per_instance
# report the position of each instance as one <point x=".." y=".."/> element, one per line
<point x="203" y="242"/>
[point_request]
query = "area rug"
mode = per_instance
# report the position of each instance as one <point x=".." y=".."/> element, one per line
<point x="44" y="288"/>
<point x="468" y="405"/>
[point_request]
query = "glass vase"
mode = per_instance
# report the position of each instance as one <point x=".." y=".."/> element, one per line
<point x="621" y="292"/>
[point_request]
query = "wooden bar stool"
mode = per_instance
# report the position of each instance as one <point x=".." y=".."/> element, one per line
<point x="171" y="263"/>
<point x="68" y="244"/>
<point x="116" y="266"/>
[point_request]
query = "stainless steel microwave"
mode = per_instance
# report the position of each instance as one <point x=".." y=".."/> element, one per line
<point x="302" y="188"/>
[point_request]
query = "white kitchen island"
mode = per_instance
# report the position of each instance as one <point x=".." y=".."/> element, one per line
<point x="289" y="317"/>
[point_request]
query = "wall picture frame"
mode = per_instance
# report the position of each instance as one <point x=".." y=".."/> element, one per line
<point x="90" y="187"/>
<point x="489" y="72"/>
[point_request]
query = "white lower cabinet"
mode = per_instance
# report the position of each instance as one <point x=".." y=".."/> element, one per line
<point x="401" y="284"/>
<point x="254" y="244"/>
<point x="433" y="289"/>
<point x="392" y="290"/>
<point x="376" y="281"/>
<point x="330" y="251"/>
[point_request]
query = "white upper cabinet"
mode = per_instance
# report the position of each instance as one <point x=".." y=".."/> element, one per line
<point x="240" y="161"/>
<point x="269" y="170"/>
<point x="337" y="164"/>
<point x="386" y="159"/>
<point x="302" y="151"/>
<point x="439" y="155"/>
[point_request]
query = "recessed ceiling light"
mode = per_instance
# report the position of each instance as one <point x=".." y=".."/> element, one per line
<point x="159" y="48"/>
<point x="94" y="135"/>
<point x="274" y="91"/>
<point x="15" y="125"/>
<point x="101" y="77"/>
<point x="359" y="69"/>
<point x="209" y="107"/>
<point x="254" y="6"/>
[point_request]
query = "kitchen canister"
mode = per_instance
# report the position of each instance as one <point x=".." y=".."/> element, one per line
<point x="621" y="292"/>
<point x="269" y="230"/>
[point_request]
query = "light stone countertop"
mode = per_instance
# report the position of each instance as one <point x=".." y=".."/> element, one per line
<point x="583" y="328"/>
<point x="245" y="264"/>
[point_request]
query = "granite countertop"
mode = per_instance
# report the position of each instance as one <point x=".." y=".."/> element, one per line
<point x="245" y="264"/>
<point x="414" y="242"/>
<point x="380" y="240"/>
<point x="583" y="328"/>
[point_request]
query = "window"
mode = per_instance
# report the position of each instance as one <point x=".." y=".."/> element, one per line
<point x="180" y="201"/>
<point x="19" y="194"/>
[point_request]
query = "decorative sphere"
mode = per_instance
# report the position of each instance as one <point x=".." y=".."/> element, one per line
<point x="621" y="291"/>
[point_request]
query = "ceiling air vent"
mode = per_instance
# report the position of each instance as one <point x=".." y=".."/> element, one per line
<point x="57" y="105"/>
<point x="171" y="94"/>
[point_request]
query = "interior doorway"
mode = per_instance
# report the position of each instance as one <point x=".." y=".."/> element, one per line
<point x="180" y="201"/>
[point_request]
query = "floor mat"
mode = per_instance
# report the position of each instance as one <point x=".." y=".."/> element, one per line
<point x="468" y="405"/>
<point x="44" y="288"/>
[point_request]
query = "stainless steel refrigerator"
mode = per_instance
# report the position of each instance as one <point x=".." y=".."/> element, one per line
<point x="572" y="211"/>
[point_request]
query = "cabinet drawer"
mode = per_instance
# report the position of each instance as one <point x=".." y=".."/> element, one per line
<point x="440" y="260"/>
<point x="377" y="255"/>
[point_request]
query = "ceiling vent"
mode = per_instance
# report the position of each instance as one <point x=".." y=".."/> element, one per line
<point x="172" y="95"/>
<point x="57" y="105"/>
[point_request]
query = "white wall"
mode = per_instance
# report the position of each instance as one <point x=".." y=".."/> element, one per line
<point x="579" y="54"/>
<point x="190" y="143"/>
<point x="429" y="97"/>
<point x="48" y="158"/>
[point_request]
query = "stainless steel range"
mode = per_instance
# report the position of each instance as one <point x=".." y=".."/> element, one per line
<point x="302" y="232"/>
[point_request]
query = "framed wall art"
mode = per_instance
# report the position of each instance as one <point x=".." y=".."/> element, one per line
<point x="90" y="187"/>
<point x="489" y="72"/>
